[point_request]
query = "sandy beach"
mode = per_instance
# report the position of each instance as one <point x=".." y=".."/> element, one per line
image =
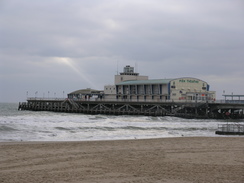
<point x="169" y="160"/>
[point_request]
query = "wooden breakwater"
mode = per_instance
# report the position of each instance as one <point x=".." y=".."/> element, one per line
<point x="215" y="110"/>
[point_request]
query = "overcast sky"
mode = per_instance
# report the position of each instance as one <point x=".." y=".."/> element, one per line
<point x="53" y="47"/>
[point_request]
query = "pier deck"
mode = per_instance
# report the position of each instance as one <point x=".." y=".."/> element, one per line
<point x="216" y="110"/>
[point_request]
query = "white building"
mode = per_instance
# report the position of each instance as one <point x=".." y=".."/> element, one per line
<point x="131" y="86"/>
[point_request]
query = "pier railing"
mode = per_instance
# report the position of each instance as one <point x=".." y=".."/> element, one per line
<point x="124" y="100"/>
<point x="141" y="100"/>
<point x="231" y="128"/>
<point x="45" y="99"/>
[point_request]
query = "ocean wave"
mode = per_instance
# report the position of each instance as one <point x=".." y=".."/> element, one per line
<point x="107" y="128"/>
<point x="50" y="126"/>
<point x="4" y="128"/>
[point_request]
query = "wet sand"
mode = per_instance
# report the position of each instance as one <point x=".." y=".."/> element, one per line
<point x="169" y="160"/>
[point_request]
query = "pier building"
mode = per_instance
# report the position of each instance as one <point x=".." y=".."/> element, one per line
<point x="132" y="86"/>
<point x="85" y="94"/>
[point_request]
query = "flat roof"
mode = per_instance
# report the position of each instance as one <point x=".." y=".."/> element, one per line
<point x="141" y="82"/>
<point x="85" y="91"/>
<point x="153" y="81"/>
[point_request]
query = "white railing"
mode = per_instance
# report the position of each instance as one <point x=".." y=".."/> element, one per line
<point x="231" y="128"/>
<point x="41" y="98"/>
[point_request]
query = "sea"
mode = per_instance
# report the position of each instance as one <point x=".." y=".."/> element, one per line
<point x="55" y="126"/>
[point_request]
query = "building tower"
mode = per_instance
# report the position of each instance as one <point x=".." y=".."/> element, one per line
<point x="128" y="70"/>
<point x="128" y="74"/>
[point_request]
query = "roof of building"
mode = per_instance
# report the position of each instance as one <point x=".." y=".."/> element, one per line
<point x="150" y="81"/>
<point x="86" y="91"/>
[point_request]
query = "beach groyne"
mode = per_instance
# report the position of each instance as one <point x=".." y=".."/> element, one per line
<point x="215" y="110"/>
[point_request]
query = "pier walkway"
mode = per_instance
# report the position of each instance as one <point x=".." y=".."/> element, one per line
<point x="187" y="109"/>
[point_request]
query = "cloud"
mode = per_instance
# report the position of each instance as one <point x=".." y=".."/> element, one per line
<point x="68" y="45"/>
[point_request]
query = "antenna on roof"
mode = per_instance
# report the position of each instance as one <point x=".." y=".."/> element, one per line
<point x="117" y="67"/>
<point x="135" y="67"/>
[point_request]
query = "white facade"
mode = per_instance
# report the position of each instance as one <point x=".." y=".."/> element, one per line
<point x="110" y="89"/>
<point x="190" y="89"/>
<point x="121" y="78"/>
<point x="127" y="75"/>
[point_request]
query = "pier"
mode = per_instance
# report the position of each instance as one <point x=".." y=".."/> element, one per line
<point x="187" y="109"/>
<point x="133" y="94"/>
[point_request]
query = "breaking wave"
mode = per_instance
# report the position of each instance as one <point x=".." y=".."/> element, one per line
<point x="49" y="126"/>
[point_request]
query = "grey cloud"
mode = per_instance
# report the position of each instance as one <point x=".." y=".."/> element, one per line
<point x="165" y="38"/>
